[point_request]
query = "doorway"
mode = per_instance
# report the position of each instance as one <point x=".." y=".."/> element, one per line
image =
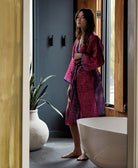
<point x="131" y="122"/>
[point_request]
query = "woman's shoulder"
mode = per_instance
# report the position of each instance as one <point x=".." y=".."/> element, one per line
<point x="93" y="36"/>
<point x="94" y="39"/>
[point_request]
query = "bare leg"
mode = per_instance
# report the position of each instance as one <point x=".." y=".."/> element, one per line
<point x="77" y="148"/>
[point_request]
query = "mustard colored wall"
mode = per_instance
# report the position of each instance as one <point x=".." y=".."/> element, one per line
<point x="11" y="46"/>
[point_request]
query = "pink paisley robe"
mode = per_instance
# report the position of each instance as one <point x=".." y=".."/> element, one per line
<point x="86" y="96"/>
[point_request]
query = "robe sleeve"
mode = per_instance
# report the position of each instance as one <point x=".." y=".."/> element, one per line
<point x="68" y="76"/>
<point x="93" y="58"/>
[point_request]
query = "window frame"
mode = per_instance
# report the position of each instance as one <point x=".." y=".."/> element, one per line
<point x="120" y="66"/>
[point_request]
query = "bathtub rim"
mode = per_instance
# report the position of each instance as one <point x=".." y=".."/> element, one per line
<point x="102" y="129"/>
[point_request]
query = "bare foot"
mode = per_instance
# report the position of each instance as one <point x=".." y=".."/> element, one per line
<point x="82" y="157"/>
<point x="72" y="155"/>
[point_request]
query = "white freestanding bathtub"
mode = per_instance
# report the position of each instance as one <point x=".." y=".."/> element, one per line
<point x="104" y="139"/>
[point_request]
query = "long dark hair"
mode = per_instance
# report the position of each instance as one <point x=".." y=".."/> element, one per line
<point x="89" y="16"/>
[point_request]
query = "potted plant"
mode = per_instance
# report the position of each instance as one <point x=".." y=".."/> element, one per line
<point x="39" y="131"/>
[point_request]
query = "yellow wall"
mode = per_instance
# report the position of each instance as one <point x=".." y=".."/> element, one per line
<point x="11" y="46"/>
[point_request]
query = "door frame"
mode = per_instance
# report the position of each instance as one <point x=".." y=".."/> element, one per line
<point x="132" y="82"/>
<point x="27" y="55"/>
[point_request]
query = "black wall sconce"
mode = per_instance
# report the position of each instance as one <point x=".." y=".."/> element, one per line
<point x="63" y="40"/>
<point x="50" y="40"/>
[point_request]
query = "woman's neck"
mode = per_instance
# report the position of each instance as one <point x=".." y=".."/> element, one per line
<point x="82" y="32"/>
<point x="82" y="35"/>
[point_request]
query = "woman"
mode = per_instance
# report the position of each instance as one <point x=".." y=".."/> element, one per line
<point x="85" y="93"/>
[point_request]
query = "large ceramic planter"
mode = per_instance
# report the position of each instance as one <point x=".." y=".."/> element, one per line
<point x="39" y="131"/>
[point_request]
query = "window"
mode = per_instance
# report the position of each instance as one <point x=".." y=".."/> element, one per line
<point x="114" y="72"/>
<point x="110" y="52"/>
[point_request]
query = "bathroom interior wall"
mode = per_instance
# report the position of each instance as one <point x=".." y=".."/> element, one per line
<point x="49" y="57"/>
<point x="10" y="83"/>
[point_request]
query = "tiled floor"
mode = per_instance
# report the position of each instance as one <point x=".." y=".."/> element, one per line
<point x="49" y="156"/>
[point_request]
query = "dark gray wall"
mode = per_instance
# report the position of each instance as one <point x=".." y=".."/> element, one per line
<point x="53" y="17"/>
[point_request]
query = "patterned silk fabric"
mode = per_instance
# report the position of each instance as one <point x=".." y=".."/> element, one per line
<point x="86" y="96"/>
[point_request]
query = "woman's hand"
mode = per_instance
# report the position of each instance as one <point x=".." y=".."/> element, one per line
<point x="68" y="91"/>
<point x="77" y="56"/>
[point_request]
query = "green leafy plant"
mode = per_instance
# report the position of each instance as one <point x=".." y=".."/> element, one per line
<point x="36" y="96"/>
